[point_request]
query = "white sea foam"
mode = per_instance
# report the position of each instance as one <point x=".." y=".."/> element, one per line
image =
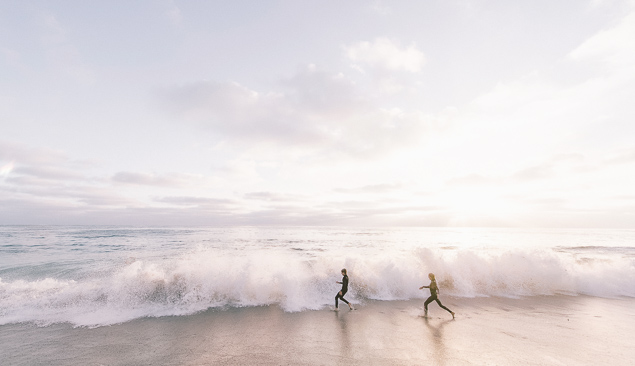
<point x="210" y="278"/>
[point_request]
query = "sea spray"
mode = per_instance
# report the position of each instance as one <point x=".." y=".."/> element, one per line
<point x="214" y="278"/>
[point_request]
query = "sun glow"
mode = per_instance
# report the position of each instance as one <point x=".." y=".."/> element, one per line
<point x="6" y="169"/>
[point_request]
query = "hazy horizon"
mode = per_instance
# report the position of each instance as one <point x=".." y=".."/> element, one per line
<point x="363" y="113"/>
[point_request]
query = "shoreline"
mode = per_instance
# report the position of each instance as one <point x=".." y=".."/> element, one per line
<point x="534" y="331"/>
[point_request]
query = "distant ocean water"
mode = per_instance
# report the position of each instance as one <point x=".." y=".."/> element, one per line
<point x="93" y="276"/>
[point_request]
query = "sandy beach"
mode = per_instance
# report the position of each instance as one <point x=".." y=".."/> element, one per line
<point x="553" y="330"/>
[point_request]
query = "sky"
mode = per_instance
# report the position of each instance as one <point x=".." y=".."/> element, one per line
<point x="445" y="113"/>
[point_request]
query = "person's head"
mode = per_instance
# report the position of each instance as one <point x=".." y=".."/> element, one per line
<point x="344" y="271"/>
<point x="431" y="276"/>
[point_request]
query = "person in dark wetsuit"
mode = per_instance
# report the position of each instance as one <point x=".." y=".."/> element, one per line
<point x="434" y="290"/>
<point x="340" y="295"/>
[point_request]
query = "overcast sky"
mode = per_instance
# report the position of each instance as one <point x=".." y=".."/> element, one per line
<point x="366" y="113"/>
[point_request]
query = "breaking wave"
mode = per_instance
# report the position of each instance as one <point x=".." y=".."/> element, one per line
<point x="211" y="279"/>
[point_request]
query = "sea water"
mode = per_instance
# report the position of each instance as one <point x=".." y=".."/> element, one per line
<point x="95" y="275"/>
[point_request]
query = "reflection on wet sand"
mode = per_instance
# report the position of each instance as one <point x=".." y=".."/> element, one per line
<point x="345" y="340"/>
<point x="436" y="330"/>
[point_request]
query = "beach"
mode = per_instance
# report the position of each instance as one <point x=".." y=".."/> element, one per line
<point x="547" y="330"/>
<point x="265" y="296"/>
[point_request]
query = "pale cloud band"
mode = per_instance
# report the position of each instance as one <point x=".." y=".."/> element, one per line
<point x="385" y="53"/>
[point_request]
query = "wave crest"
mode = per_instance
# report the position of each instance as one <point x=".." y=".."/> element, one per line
<point x="209" y="279"/>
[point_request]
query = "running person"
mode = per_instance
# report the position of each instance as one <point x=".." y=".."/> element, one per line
<point x="434" y="290"/>
<point x="343" y="291"/>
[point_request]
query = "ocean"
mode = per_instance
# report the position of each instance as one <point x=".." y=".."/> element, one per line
<point x="65" y="280"/>
<point x="94" y="276"/>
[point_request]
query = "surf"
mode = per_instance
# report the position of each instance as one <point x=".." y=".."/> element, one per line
<point x="221" y="279"/>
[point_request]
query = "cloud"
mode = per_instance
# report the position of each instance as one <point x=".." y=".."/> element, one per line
<point x="6" y="169"/>
<point x="551" y="203"/>
<point x="315" y="110"/>
<point x="196" y="201"/>
<point x="582" y="101"/>
<point x="380" y="8"/>
<point x="51" y="176"/>
<point x="623" y="156"/>
<point x="21" y="154"/>
<point x="321" y="94"/>
<point x="63" y="193"/>
<point x="99" y="196"/>
<point x="384" y="53"/>
<point x="373" y="188"/>
<point x="614" y="47"/>
<point x="627" y="197"/>
<point x="567" y="164"/>
<point x="370" y="209"/>
<point x="40" y="166"/>
<point x="189" y="211"/>
<point x="535" y="172"/>
<point x="55" y="212"/>
<point x="48" y="172"/>
<point x="232" y="110"/>
<point x="146" y="179"/>
<point x="271" y="197"/>
<point x="472" y="180"/>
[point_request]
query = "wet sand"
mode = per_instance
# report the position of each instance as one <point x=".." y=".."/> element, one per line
<point x="551" y="330"/>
